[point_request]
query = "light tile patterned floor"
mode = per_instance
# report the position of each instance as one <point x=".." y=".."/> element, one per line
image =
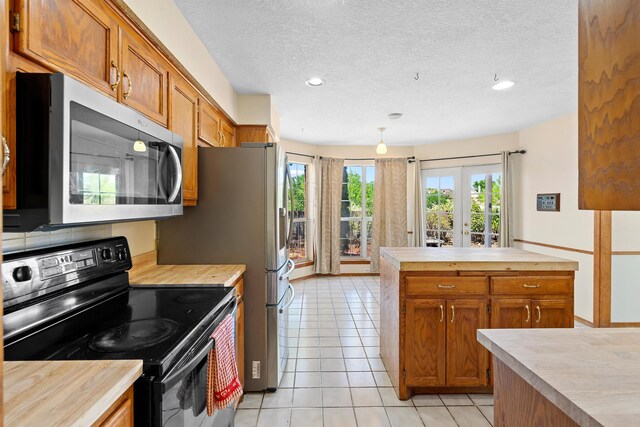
<point x="335" y="377"/>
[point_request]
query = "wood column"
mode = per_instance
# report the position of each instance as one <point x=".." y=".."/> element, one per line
<point x="602" y="269"/>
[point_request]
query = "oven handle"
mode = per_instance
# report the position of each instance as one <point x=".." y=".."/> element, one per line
<point x="178" y="185"/>
<point x="197" y="358"/>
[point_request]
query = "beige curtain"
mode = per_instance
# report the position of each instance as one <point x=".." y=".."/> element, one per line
<point x="389" y="207"/>
<point x="418" y="206"/>
<point x="506" y="201"/>
<point x="329" y="196"/>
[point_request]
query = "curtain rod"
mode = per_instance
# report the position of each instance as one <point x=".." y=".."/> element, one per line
<point x="410" y="159"/>
<point x="470" y="157"/>
<point x="300" y="154"/>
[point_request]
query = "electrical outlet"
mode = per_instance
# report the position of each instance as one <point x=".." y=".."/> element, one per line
<point x="255" y="371"/>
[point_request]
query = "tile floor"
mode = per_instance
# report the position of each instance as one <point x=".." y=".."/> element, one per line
<point x="335" y="377"/>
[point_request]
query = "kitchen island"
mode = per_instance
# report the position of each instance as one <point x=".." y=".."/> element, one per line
<point x="565" y="378"/>
<point x="433" y="300"/>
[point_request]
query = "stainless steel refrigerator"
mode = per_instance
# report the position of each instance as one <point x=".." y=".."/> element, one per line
<point x="242" y="217"/>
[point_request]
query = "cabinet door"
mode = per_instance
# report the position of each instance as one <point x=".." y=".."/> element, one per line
<point x="425" y="343"/>
<point x="227" y="131"/>
<point x="79" y="37"/>
<point x="16" y="64"/>
<point x="208" y="124"/>
<point x="183" y="120"/>
<point x="144" y="84"/>
<point x="552" y="313"/>
<point x="510" y="313"/>
<point x="467" y="359"/>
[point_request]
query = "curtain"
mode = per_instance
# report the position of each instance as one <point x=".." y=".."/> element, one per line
<point x="389" y="226"/>
<point x="418" y="207"/>
<point x="329" y="196"/>
<point x="506" y="201"/>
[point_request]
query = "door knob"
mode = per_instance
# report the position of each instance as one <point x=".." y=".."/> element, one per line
<point x="466" y="232"/>
<point x="466" y="224"/>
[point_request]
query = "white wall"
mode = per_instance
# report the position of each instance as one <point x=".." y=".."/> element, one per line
<point x="551" y="166"/>
<point x="625" y="266"/>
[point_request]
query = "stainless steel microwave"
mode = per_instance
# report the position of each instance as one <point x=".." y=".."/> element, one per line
<point x="83" y="158"/>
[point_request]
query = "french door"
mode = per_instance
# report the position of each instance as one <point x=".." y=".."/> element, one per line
<point x="462" y="206"/>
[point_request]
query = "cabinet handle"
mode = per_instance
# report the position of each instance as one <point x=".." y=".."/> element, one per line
<point x="539" y="314"/>
<point x="441" y="313"/>
<point x="446" y="286"/>
<point x="526" y="285"/>
<point x="453" y="313"/>
<point x="528" y="314"/>
<point x="7" y="155"/>
<point x="114" y="86"/>
<point x="129" y="85"/>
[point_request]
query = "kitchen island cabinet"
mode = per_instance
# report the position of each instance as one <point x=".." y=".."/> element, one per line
<point x="565" y="377"/>
<point x="433" y="300"/>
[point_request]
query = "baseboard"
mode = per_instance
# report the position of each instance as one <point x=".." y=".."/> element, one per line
<point x="585" y="321"/>
<point x="624" y="325"/>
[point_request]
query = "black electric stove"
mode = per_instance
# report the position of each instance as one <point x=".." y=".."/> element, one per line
<point x="75" y="303"/>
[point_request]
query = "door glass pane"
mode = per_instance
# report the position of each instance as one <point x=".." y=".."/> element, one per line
<point x="484" y="206"/>
<point x="111" y="163"/>
<point x="370" y="176"/>
<point x="439" y="210"/>
<point x="477" y="240"/>
<point x="298" y="247"/>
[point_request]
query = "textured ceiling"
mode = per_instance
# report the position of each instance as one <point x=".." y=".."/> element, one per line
<point x="369" y="52"/>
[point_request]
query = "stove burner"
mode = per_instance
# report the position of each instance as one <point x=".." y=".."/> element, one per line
<point x="133" y="335"/>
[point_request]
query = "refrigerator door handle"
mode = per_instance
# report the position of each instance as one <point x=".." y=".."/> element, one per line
<point x="291" y="195"/>
<point x="292" y="266"/>
<point x="293" y="295"/>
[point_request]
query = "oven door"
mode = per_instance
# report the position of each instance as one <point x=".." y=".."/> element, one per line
<point x="115" y="164"/>
<point x="184" y="388"/>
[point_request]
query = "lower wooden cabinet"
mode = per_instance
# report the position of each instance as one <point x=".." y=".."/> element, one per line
<point x="433" y="347"/>
<point x="120" y="414"/>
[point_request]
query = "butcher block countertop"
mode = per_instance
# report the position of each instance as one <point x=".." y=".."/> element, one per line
<point x="146" y="271"/>
<point x="592" y="375"/>
<point x="64" y="393"/>
<point x="473" y="259"/>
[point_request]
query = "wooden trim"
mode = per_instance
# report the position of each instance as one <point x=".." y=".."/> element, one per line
<point x="624" y="324"/>
<point x="302" y="264"/>
<point x="583" y="320"/>
<point x="625" y="252"/>
<point x="309" y="276"/>
<point x="562" y="248"/>
<point x="355" y="262"/>
<point x="602" y="269"/>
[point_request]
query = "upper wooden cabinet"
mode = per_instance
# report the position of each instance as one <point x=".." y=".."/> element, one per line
<point x="253" y="133"/>
<point x="183" y="120"/>
<point x="609" y="104"/>
<point x="209" y="120"/>
<point x="77" y="36"/>
<point x="144" y="77"/>
<point x="228" y="133"/>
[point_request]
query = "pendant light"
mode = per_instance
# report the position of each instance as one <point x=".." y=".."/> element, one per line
<point x="139" y="145"/>
<point x="382" y="147"/>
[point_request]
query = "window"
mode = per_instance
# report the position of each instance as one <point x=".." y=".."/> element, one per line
<point x="356" y="211"/>
<point x="98" y="189"/>
<point x="298" y="246"/>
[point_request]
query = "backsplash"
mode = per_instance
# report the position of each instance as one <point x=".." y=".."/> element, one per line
<point x="18" y="242"/>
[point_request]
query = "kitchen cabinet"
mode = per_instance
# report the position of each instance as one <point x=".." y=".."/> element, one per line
<point x="183" y="120"/>
<point x="254" y="133"/>
<point x="144" y="77"/>
<point x="209" y="121"/>
<point x="467" y="360"/>
<point x="608" y="104"/>
<point x="432" y="305"/>
<point x="239" y="286"/>
<point x="120" y="414"/>
<point x="95" y="41"/>
<point x="425" y="342"/>
<point x="78" y="37"/>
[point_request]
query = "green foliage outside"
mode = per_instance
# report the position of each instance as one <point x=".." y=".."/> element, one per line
<point x="354" y="193"/>
<point x="298" y="195"/>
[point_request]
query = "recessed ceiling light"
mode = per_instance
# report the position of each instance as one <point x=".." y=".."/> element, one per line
<point x="504" y="84"/>
<point x="316" y="81"/>
<point x="395" y="116"/>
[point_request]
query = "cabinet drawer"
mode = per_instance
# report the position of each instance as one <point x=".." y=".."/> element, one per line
<point x="532" y="285"/>
<point x="417" y="285"/>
